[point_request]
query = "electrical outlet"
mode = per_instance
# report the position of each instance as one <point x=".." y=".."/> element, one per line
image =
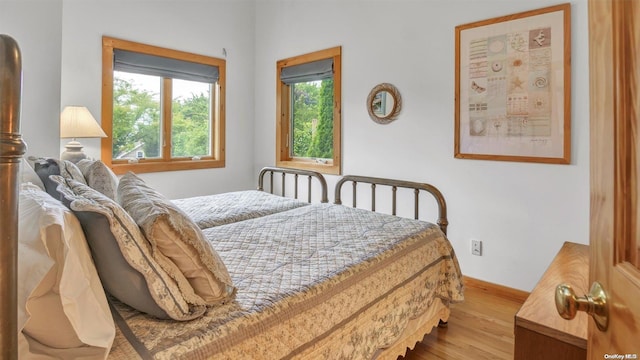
<point x="476" y="247"/>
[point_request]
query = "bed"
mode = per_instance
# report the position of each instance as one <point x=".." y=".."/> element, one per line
<point x="219" y="209"/>
<point x="352" y="311"/>
<point x="314" y="281"/>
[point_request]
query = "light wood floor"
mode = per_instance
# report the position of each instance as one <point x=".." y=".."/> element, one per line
<point x="479" y="328"/>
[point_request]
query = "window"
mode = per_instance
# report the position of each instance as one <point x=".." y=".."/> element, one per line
<point x="162" y="109"/>
<point x="308" y="106"/>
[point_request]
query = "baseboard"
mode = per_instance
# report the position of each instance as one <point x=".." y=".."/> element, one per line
<point x="495" y="289"/>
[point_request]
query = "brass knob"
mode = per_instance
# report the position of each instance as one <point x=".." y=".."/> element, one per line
<point x="594" y="304"/>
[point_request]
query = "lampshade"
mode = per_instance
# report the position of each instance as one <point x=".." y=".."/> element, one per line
<point x="77" y="122"/>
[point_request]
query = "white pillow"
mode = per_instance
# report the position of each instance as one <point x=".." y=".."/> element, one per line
<point x="29" y="175"/>
<point x="61" y="302"/>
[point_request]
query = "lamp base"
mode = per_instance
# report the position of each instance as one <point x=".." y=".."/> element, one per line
<point x="73" y="152"/>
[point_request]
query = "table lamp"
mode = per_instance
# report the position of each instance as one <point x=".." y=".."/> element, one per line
<point x="77" y="122"/>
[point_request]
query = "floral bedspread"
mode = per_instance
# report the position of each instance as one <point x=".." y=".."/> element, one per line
<point x="322" y="280"/>
<point x="219" y="209"/>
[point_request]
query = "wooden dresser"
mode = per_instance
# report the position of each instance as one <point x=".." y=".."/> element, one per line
<point x="540" y="333"/>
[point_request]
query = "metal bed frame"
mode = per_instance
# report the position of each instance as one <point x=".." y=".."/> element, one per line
<point x="12" y="147"/>
<point x="296" y="173"/>
<point x="395" y="184"/>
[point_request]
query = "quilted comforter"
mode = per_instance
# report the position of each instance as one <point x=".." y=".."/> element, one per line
<point x="319" y="281"/>
<point x="219" y="209"/>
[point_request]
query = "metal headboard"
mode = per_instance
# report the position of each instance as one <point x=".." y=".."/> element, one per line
<point x="11" y="150"/>
<point x="296" y="173"/>
<point x="395" y="184"/>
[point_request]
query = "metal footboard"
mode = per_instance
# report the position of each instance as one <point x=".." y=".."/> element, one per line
<point x="11" y="150"/>
<point x="395" y="184"/>
<point x="296" y="173"/>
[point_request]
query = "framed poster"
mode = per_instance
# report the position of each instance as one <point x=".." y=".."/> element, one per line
<point x="513" y="87"/>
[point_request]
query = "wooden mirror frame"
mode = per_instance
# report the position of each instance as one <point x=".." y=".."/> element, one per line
<point x="397" y="103"/>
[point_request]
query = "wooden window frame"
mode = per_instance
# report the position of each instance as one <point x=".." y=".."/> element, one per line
<point x="283" y="116"/>
<point x="166" y="162"/>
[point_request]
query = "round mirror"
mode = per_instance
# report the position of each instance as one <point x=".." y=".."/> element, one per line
<point x="384" y="103"/>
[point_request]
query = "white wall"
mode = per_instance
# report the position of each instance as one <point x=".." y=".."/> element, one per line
<point x="36" y="26"/>
<point x="203" y="27"/>
<point x="522" y="212"/>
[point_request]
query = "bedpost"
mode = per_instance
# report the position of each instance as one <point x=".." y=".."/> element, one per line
<point x="11" y="150"/>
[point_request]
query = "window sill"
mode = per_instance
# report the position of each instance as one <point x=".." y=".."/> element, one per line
<point x="328" y="168"/>
<point x="160" y="166"/>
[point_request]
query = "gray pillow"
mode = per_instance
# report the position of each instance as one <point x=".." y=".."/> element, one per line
<point x="46" y="167"/>
<point x="99" y="176"/>
<point x="118" y="277"/>
<point x="123" y="256"/>
<point x="69" y="170"/>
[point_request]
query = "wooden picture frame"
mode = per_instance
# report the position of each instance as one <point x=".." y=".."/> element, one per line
<point x="513" y="87"/>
